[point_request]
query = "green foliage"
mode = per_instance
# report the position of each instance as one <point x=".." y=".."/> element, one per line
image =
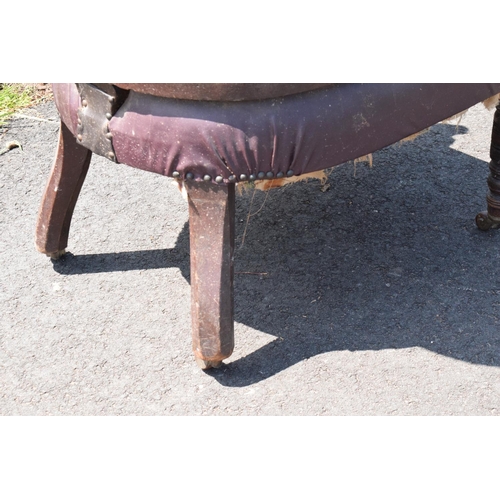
<point x="13" y="96"/>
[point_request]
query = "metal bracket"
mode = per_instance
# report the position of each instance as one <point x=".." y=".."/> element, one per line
<point x="98" y="107"/>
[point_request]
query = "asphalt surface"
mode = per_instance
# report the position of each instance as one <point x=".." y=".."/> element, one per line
<point x="377" y="296"/>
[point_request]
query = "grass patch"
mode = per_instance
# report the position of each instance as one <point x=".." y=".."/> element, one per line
<point x="16" y="96"/>
<point x="13" y="96"/>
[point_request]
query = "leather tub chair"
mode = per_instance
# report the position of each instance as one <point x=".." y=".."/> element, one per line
<point x="212" y="136"/>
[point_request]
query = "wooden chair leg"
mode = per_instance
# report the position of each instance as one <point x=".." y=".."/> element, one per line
<point x="59" y="199"/>
<point x="211" y="232"/>
<point x="491" y="218"/>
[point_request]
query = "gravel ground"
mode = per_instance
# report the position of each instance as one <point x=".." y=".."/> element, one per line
<point x="376" y="296"/>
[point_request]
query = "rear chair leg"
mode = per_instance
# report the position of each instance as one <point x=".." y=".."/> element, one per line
<point x="211" y="233"/>
<point x="65" y="182"/>
<point x="491" y="218"/>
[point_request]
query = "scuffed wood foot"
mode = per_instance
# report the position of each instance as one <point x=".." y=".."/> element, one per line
<point x="57" y="255"/>
<point x="211" y="233"/>
<point x="59" y="199"/>
<point x="207" y="365"/>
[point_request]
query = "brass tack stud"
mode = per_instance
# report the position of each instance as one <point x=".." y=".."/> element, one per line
<point x="108" y="116"/>
<point x="176" y="174"/>
<point x="79" y="137"/>
<point x="231" y="178"/>
<point x="219" y="179"/>
<point x="243" y="177"/>
<point x="252" y="177"/>
<point x="84" y="103"/>
<point x="189" y="176"/>
<point x="289" y="173"/>
<point x="269" y="175"/>
<point x="207" y="178"/>
<point x="111" y="156"/>
<point x="261" y="175"/>
<point x="279" y="175"/>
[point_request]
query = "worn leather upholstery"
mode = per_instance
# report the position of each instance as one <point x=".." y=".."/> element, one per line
<point x="302" y="132"/>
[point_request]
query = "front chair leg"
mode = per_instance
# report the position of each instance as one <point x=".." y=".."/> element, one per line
<point x="59" y="199"/>
<point x="491" y="218"/>
<point x="211" y="233"/>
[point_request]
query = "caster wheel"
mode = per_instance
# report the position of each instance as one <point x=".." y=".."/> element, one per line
<point x="484" y="222"/>
<point x="57" y="255"/>
<point x="206" y="365"/>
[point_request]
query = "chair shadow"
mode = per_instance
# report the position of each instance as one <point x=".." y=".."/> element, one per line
<point x="388" y="258"/>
